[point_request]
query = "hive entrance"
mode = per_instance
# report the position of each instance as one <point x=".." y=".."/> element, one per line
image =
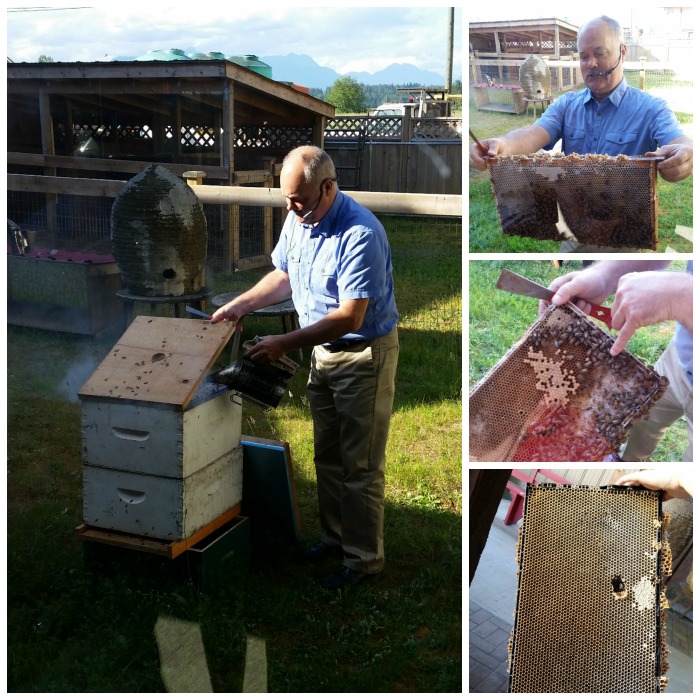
<point x="581" y="552"/>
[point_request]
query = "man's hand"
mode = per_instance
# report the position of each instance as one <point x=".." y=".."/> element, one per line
<point x="678" y="159"/>
<point x="496" y="147"/>
<point x="268" y="349"/>
<point x="228" y="312"/>
<point x="674" y="483"/>
<point x="589" y="286"/>
<point x="642" y="299"/>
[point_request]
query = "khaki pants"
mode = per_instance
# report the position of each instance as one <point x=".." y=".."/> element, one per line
<point x="676" y="401"/>
<point x="351" y="394"/>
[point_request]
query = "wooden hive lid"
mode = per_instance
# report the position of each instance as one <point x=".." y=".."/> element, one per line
<point x="159" y="360"/>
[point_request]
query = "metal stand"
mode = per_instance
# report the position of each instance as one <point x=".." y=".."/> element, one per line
<point x="545" y="103"/>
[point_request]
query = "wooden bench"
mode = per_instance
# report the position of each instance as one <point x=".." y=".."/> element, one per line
<point x="515" y="510"/>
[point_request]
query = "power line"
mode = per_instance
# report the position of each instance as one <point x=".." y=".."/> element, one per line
<point x="45" y="9"/>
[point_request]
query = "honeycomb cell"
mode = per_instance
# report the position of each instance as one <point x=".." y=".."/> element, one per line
<point x="580" y="549"/>
<point x="558" y="396"/>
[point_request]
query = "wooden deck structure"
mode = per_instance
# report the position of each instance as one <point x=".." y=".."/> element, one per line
<point x="77" y="131"/>
<point x="497" y="49"/>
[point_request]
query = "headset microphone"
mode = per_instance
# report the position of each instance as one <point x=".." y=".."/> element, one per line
<point x="607" y="72"/>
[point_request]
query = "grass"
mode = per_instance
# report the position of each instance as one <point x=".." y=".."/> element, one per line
<point x="497" y="320"/>
<point x="74" y="629"/>
<point x="675" y="200"/>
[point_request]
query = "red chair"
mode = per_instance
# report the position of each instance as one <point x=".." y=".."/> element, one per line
<point x="515" y="510"/>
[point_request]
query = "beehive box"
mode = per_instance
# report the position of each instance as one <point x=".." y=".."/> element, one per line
<point x="62" y="295"/>
<point x="161" y="448"/>
<point x="590" y="604"/>
<point x="591" y="199"/>
<point x="159" y="507"/>
<point x="145" y="438"/>
<point x="558" y="395"/>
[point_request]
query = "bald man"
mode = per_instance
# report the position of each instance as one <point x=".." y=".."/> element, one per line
<point x="607" y="117"/>
<point x="333" y="256"/>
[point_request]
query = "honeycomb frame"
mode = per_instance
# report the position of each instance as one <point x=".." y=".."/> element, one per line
<point x="558" y="395"/>
<point x="603" y="200"/>
<point x="591" y="605"/>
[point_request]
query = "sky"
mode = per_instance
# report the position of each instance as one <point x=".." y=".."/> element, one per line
<point x="640" y="14"/>
<point x="357" y="38"/>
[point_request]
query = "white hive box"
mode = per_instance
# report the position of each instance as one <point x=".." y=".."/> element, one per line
<point x="159" y="507"/>
<point x="161" y="449"/>
<point x="150" y="439"/>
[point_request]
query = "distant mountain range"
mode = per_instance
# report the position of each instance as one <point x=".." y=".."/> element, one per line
<point x="302" y="69"/>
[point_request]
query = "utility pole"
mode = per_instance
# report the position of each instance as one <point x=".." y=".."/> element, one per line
<point x="450" y="47"/>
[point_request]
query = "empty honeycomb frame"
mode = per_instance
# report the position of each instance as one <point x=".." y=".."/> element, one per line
<point x="591" y="607"/>
<point x="559" y="396"/>
<point x="602" y="200"/>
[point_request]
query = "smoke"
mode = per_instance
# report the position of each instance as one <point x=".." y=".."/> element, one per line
<point x="76" y="376"/>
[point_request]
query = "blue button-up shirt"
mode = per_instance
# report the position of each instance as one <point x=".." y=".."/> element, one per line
<point x="628" y="121"/>
<point x="345" y="256"/>
<point x="684" y="341"/>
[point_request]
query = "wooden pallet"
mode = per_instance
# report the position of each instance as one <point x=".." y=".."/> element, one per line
<point x="88" y="533"/>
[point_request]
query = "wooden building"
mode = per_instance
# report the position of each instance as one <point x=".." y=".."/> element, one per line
<point x="496" y="50"/>
<point x="110" y="120"/>
<point x="212" y="113"/>
<point x="74" y="126"/>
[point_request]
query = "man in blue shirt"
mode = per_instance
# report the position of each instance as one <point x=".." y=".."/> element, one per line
<point x="607" y="117"/>
<point x="334" y="257"/>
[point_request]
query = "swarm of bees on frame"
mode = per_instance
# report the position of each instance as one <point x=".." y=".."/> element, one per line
<point x="558" y="394"/>
<point x="593" y="199"/>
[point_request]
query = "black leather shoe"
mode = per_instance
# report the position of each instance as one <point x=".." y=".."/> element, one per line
<point x="344" y="578"/>
<point x="320" y="552"/>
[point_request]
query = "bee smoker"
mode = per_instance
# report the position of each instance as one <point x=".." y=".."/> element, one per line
<point x="264" y="385"/>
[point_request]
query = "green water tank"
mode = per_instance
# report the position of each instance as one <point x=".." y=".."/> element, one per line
<point x="164" y="55"/>
<point x="252" y="63"/>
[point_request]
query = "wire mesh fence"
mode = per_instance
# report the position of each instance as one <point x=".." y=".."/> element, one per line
<point x="673" y="84"/>
<point x="426" y="251"/>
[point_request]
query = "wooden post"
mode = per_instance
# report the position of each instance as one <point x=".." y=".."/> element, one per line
<point x="486" y="487"/>
<point x="178" y="129"/>
<point x="498" y="51"/>
<point x="48" y="148"/>
<point x="476" y="73"/>
<point x="642" y="73"/>
<point x="268" y="234"/>
<point x="194" y="177"/>
<point x="230" y="216"/>
<point x="232" y="241"/>
<point x="319" y="130"/>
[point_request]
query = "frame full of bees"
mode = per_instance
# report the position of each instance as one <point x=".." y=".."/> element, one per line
<point x="590" y="199"/>
<point x="558" y="395"/>
<point x="591" y="604"/>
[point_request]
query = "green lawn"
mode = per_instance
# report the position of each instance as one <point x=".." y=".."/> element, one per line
<point x="71" y="629"/>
